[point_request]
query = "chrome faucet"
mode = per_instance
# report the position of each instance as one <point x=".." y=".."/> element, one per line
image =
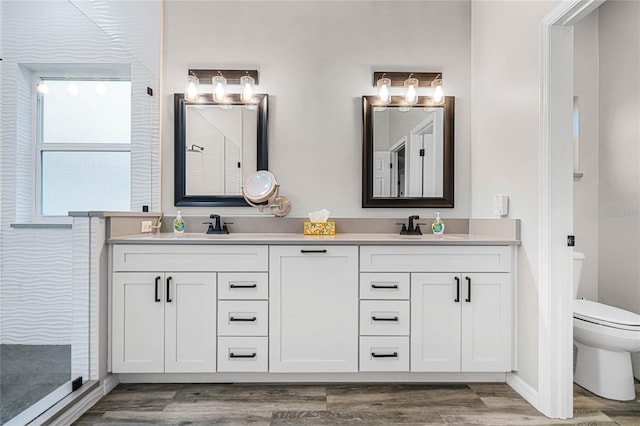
<point x="215" y="227"/>
<point x="411" y="229"/>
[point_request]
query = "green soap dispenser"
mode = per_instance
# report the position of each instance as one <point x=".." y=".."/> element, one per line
<point x="438" y="225"/>
<point x="178" y="224"/>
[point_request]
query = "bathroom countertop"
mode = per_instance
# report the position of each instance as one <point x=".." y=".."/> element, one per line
<point x="338" y="239"/>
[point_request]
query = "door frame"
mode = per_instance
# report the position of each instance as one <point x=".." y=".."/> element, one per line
<point x="555" y="295"/>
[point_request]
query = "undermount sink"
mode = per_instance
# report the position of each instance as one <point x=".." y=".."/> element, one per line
<point x="426" y="237"/>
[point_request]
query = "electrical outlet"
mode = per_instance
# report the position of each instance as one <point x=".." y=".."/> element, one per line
<point x="147" y="226"/>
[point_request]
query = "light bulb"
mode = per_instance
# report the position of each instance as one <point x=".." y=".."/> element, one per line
<point x="438" y="92"/>
<point x="247" y="82"/>
<point x="219" y="88"/>
<point x="438" y="95"/>
<point x="193" y="87"/>
<point x="42" y="88"/>
<point x="384" y="96"/>
<point x="411" y="93"/>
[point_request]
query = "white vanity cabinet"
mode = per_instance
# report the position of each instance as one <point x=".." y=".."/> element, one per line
<point x="460" y="321"/>
<point x="164" y="322"/>
<point x="164" y="304"/>
<point x="313" y="324"/>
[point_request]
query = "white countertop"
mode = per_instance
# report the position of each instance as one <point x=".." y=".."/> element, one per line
<point x="338" y="239"/>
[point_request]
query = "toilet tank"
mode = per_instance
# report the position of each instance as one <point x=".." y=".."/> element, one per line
<point x="578" y="260"/>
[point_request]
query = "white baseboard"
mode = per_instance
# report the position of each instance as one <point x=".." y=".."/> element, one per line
<point x="524" y="389"/>
<point x="110" y="382"/>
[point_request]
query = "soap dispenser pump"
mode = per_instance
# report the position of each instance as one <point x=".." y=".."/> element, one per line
<point x="178" y="224"/>
<point x="438" y="225"/>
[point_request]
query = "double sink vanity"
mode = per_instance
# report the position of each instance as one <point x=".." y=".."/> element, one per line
<point x="354" y="306"/>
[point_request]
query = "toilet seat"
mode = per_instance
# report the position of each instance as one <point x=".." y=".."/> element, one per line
<point x="609" y="316"/>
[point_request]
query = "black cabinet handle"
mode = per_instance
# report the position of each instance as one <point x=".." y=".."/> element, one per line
<point x="243" y="319"/>
<point x="468" y="299"/>
<point x="157" y="299"/>
<point x="169" y="300"/>
<point x="393" y="286"/>
<point x="384" y="319"/>
<point x="457" y="300"/>
<point x="313" y="251"/>
<point x="232" y="355"/>
<point x="393" y="355"/>
<point x="243" y="286"/>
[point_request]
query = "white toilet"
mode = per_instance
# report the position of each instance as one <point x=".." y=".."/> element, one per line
<point x="604" y="337"/>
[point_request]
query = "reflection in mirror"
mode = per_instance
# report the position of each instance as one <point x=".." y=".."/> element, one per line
<point x="217" y="147"/>
<point x="408" y="154"/>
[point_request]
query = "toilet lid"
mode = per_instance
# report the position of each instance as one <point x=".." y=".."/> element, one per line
<point x="605" y="314"/>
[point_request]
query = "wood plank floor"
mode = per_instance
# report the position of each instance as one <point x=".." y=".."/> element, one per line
<point x="342" y="404"/>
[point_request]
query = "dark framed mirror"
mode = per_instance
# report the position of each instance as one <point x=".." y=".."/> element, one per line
<point x="407" y="156"/>
<point x="217" y="146"/>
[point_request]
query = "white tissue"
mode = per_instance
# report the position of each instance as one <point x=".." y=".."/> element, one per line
<point x="319" y="216"/>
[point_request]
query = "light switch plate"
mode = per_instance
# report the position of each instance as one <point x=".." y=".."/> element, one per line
<point x="147" y="226"/>
<point x="501" y="204"/>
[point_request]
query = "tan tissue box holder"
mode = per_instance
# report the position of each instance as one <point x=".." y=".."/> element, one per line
<point x="319" y="228"/>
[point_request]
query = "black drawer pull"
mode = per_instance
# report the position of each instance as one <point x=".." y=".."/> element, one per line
<point x="157" y="298"/>
<point x="243" y="319"/>
<point x="169" y="300"/>
<point x="232" y="355"/>
<point x="393" y="355"/>
<point x="384" y="319"/>
<point x="313" y="251"/>
<point x="393" y="286"/>
<point x="457" y="299"/>
<point x="243" y="286"/>
<point x="468" y="299"/>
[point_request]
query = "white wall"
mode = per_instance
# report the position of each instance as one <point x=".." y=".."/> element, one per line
<point x="619" y="186"/>
<point x="316" y="60"/>
<point x="37" y="263"/>
<point x="585" y="189"/>
<point x="505" y="112"/>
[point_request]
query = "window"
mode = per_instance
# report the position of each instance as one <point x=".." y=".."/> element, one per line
<point x="83" y="145"/>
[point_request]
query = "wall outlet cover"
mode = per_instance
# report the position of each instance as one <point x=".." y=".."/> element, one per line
<point x="146" y="226"/>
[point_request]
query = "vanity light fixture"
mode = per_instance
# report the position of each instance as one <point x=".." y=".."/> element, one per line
<point x="438" y="93"/>
<point x="221" y="79"/>
<point x="383" y="86"/>
<point x="246" y="84"/>
<point x="219" y="84"/>
<point x="411" y="90"/>
<point x="193" y="88"/>
<point x="411" y="82"/>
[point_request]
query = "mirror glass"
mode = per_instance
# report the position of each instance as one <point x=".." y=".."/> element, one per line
<point x="217" y="147"/>
<point x="408" y="154"/>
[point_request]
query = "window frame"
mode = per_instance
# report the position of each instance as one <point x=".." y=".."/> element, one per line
<point x="39" y="146"/>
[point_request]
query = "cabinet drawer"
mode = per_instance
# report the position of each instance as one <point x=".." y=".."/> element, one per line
<point x="384" y="353"/>
<point x="243" y="285"/>
<point x="384" y="318"/>
<point x="384" y="286"/>
<point x="240" y="354"/>
<point x="435" y="258"/>
<point x="190" y="258"/>
<point x="243" y="318"/>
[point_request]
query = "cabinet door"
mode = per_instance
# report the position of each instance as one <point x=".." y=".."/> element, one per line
<point x="138" y="323"/>
<point x="313" y="309"/>
<point x="486" y="322"/>
<point x="435" y="322"/>
<point x="190" y="322"/>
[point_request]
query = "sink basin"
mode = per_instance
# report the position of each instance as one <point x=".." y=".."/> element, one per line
<point x="427" y="237"/>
